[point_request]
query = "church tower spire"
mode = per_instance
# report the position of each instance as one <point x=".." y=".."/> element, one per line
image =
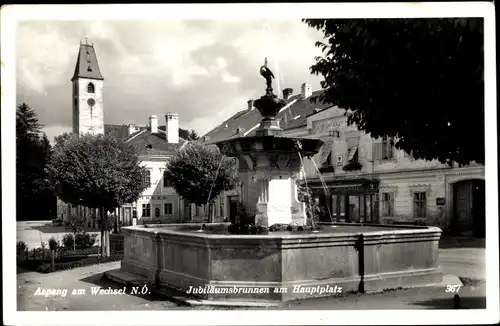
<point x="88" y="82"/>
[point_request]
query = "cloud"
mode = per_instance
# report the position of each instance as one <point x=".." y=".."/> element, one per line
<point x="205" y="70"/>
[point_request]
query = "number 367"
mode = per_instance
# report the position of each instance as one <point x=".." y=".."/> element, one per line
<point x="453" y="288"/>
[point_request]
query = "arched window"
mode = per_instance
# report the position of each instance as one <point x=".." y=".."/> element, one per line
<point x="90" y="88"/>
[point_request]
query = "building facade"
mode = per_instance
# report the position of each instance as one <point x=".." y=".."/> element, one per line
<point x="358" y="178"/>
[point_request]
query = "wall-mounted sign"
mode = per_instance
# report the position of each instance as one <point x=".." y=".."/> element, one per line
<point x="440" y="201"/>
<point x="328" y="124"/>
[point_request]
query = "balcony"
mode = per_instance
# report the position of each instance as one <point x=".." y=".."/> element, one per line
<point x="326" y="169"/>
<point x="352" y="166"/>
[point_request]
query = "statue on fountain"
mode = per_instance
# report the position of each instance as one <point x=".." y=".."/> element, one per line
<point x="268" y="75"/>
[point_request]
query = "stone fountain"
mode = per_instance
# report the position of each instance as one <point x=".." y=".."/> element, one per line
<point x="278" y="266"/>
<point x="269" y="164"/>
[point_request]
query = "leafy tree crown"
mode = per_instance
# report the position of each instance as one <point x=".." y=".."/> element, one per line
<point x="199" y="173"/>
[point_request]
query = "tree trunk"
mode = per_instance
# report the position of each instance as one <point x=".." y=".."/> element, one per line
<point x="106" y="232"/>
<point x="101" y="226"/>
<point x="52" y="251"/>
<point x="115" y="226"/>
<point x="209" y="213"/>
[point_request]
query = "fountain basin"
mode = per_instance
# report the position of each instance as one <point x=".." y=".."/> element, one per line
<point x="258" y="267"/>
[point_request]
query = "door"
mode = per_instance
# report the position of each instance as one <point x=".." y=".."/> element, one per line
<point x="479" y="208"/>
<point x="187" y="211"/>
<point x="463" y="206"/>
<point x="233" y="208"/>
<point x="126" y="216"/>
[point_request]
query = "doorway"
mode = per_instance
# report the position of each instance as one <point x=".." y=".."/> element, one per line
<point x="469" y="205"/>
<point x="233" y="208"/>
<point x="187" y="211"/>
<point x="126" y="216"/>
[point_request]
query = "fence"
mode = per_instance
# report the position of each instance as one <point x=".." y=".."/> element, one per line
<point x="63" y="253"/>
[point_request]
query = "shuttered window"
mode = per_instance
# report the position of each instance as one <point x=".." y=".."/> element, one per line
<point x="324" y="157"/>
<point x="387" y="203"/>
<point x="383" y="150"/>
<point x="352" y="149"/>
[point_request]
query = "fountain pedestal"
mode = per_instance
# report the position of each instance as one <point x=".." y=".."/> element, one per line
<point x="273" y="193"/>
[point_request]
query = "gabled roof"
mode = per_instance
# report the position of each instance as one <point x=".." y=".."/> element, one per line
<point x="294" y="116"/>
<point x="148" y="143"/>
<point x="120" y="132"/>
<point x="143" y="137"/>
<point x="86" y="64"/>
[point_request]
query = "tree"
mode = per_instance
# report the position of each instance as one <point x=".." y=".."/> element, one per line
<point x="34" y="198"/>
<point x="417" y="81"/>
<point x="96" y="171"/>
<point x="188" y="135"/>
<point x="193" y="135"/>
<point x="199" y="174"/>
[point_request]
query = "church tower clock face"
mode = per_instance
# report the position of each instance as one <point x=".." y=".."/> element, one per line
<point x="91" y="102"/>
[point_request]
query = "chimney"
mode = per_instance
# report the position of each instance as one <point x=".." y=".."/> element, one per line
<point x="132" y="129"/>
<point x="306" y="90"/>
<point x="172" y="127"/>
<point x="250" y="105"/>
<point x="287" y="92"/>
<point x="153" y="124"/>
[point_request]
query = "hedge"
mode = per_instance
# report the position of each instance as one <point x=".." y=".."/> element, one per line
<point x="68" y="263"/>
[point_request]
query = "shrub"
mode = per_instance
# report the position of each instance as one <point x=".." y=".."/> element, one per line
<point x="21" y="246"/>
<point x="85" y="240"/>
<point x="87" y="261"/>
<point x="68" y="240"/>
<point x="53" y="244"/>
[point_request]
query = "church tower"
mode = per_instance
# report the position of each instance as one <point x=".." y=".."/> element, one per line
<point x="87" y="99"/>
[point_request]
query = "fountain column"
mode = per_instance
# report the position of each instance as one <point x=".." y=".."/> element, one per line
<point x="269" y="164"/>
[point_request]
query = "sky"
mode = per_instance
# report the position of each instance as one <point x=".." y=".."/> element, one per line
<point x="205" y="70"/>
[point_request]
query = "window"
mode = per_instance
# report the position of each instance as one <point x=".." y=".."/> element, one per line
<point x="325" y="155"/>
<point x="334" y="133"/>
<point x="352" y="149"/>
<point x="197" y="211"/>
<point x="384" y="149"/>
<point x="387" y="203"/>
<point x="166" y="183"/>
<point x="134" y="212"/>
<point x="328" y="161"/>
<point x="221" y="206"/>
<point x="157" y="211"/>
<point x="146" y="210"/>
<point x="420" y="204"/>
<point x="168" y="209"/>
<point x="90" y="88"/>
<point x="147" y="177"/>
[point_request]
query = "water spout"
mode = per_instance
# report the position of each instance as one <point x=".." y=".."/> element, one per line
<point x="305" y="179"/>
<point x="325" y="189"/>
